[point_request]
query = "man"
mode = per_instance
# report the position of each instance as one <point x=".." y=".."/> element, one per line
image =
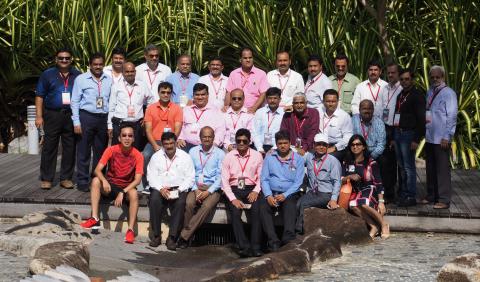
<point x="171" y="174"/>
<point x="207" y="160"/>
<point x="286" y="79"/>
<point x="317" y="82"/>
<point x="302" y="124"/>
<point x="125" y="169"/>
<point x="282" y="175"/>
<point x="371" y="128"/>
<point x="216" y="82"/>
<point x="152" y="72"/>
<point x="197" y="116"/>
<point x="252" y="80"/>
<point x="52" y="103"/>
<point x="370" y="89"/>
<point x="90" y="95"/>
<point x="241" y="170"/>
<point x="126" y="102"/>
<point x="441" y="120"/>
<point x="236" y="117"/>
<point x="344" y="82"/>
<point x="115" y="70"/>
<point x="324" y="173"/>
<point x="267" y="121"/>
<point x="183" y="81"/>
<point x="335" y="123"/>
<point x="409" y="124"/>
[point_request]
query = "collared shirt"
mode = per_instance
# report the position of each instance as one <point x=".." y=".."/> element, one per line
<point x="369" y="91"/>
<point x="51" y="85"/>
<point x="324" y="177"/>
<point x="338" y="127"/>
<point x="235" y="121"/>
<point x="444" y="110"/>
<point x="182" y="85"/>
<point x="345" y="89"/>
<point x="85" y="92"/>
<point x="209" y="165"/>
<point x="314" y="88"/>
<point x="305" y="128"/>
<point x="108" y="70"/>
<point x="165" y="172"/>
<point x="162" y="119"/>
<point x="122" y="165"/>
<point x="268" y="122"/>
<point x="373" y="132"/>
<point x="216" y="89"/>
<point x="195" y="119"/>
<point x="152" y="78"/>
<point x="253" y="84"/>
<point x="389" y="95"/>
<point x="410" y="104"/>
<point x="290" y="83"/>
<point x="282" y="176"/>
<point x="235" y="166"/>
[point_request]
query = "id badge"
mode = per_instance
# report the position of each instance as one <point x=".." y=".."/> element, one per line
<point x="131" y="111"/>
<point x="428" y="116"/>
<point x="385" y="115"/>
<point x="396" y="120"/>
<point x="195" y="128"/>
<point x="99" y="102"/>
<point x="167" y="129"/>
<point x="292" y="167"/>
<point x="200" y="178"/>
<point x="241" y="183"/>
<point x="183" y="100"/>
<point x="298" y="142"/>
<point x="173" y="195"/>
<point x="66" y="98"/>
<point x="267" y="139"/>
<point x="351" y="168"/>
<point x="232" y="138"/>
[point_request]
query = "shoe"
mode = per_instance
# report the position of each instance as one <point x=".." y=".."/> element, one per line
<point x="274" y="247"/>
<point x="83" y="188"/>
<point x="408" y="202"/>
<point x="244" y="253"/>
<point x="182" y="243"/>
<point x="425" y="201"/>
<point x="155" y="242"/>
<point x="441" y="206"/>
<point x="146" y="192"/>
<point x="45" y="185"/>
<point x="257" y="253"/>
<point x="171" y="245"/>
<point x="67" y="184"/>
<point x="129" y="236"/>
<point x="90" y="223"/>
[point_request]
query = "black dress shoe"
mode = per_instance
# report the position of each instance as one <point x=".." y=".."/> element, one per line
<point x="408" y="202"/>
<point x="155" y="242"/>
<point x="171" y="245"/>
<point x="257" y="253"/>
<point x="244" y="253"/>
<point x="274" y="247"/>
<point x="182" y="243"/>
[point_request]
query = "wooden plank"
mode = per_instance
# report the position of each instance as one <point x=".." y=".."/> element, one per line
<point x="470" y="180"/>
<point x="25" y="175"/>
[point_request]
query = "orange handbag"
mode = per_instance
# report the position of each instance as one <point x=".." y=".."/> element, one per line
<point x="345" y="192"/>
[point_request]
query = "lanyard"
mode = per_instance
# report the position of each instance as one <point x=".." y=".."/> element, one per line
<point x="130" y="93"/>
<point x="212" y="81"/>
<point x="183" y="86"/>
<point x="313" y="81"/>
<point x="390" y="97"/>
<point x="238" y="119"/>
<point x="325" y="124"/>
<point x="269" y="122"/>
<point x="244" y="166"/>
<point x="401" y="101"/>
<point x="65" y="80"/>
<point x="339" y="85"/>
<point x="365" y="134"/>
<point x="198" y="116"/>
<point x="375" y="98"/>
<point x="292" y="161"/>
<point x="280" y="81"/>
<point x="244" y="82"/>
<point x="315" y="170"/>
<point x="202" y="164"/>
<point x="150" y="79"/>
<point x="298" y="127"/>
<point x="436" y="91"/>
<point x="166" y="163"/>
<point x="99" y="86"/>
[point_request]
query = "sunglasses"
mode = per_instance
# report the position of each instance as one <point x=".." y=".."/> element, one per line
<point x="237" y="99"/>
<point x="356" y="145"/>
<point x="64" y="58"/>
<point x="127" y="135"/>
<point x="154" y="56"/>
<point x="242" y="141"/>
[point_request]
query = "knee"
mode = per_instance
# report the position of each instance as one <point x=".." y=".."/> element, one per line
<point x="132" y="196"/>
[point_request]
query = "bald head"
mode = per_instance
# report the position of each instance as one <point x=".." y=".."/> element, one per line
<point x="207" y="136"/>
<point x="237" y="99"/>
<point x="366" y="110"/>
<point x="129" y="72"/>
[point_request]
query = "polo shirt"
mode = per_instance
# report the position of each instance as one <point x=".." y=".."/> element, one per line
<point x="51" y="85"/>
<point x="161" y="118"/>
<point x="122" y="166"/>
<point x="253" y="84"/>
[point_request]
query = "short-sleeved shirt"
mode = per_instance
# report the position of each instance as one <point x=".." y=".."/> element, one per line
<point x="51" y="85"/>
<point x="252" y="84"/>
<point x="345" y="89"/>
<point x="161" y="119"/>
<point x="122" y="166"/>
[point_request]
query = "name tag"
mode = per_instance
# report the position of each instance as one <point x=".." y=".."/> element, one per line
<point x="131" y="111"/>
<point x="232" y="137"/>
<point x="200" y="178"/>
<point x="99" y="102"/>
<point x="351" y="168"/>
<point x="183" y="100"/>
<point x="428" y="116"/>
<point x="195" y="128"/>
<point x="167" y="129"/>
<point x="267" y="139"/>
<point x="396" y="120"/>
<point x="385" y="115"/>
<point x="173" y="195"/>
<point x="66" y="98"/>
<point x="241" y="183"/>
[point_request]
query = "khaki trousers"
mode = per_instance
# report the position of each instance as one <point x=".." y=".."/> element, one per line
<point x="193" y="220"/>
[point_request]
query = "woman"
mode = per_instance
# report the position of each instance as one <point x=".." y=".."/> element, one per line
<point x="366" y="200"/>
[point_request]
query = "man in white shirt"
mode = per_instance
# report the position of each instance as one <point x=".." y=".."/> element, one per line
<point x="115" y="70"/>
<point x="370" y="89"/>
<point x="152" y="72"/>
<point x="216" y="82"/>
<point x="236" y="117"/>
<point x="286" y="79"/>
<point x="317" y="82"/>
<point x="171" y="174"/>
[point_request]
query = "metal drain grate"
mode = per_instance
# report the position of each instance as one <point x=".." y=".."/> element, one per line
<point x="214" y="234"/>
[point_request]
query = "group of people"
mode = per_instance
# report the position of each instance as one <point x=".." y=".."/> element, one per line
<point x="268" y="142"/>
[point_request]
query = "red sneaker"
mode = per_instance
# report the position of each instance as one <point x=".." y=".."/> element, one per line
<point x="129" y="236"/>
<point x="90" y="223"/>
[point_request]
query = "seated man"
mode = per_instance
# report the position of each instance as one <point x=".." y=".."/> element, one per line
<point x="125" y="169"/>
<point x="324" y="172"/>
<point x="170" y="174"/>
<point x="241" y="170"/>
<point x="207" y="160"/>
<point x="282" y="175"/>
<point x="236" y="117"/>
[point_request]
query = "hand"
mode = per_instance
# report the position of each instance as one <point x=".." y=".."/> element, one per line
<point x="301" y="152"/>
<point x="229" y="148"/>
<point x="238" y="204"/>
<point x="189" y="103"/>
<point x="252" y="197"/>
<point x="271" y="201"/>
<point x="106" y="186"/>
<point x="381" y="209"/>
<point x="332" y="204"/>
<point x="444" y="144"/>
<point x="110" y="133"/>
<point x="224" y="109"/>
<point x="39" y="122"/>
<point x="331" y="149"/>
<point x="288" y="108"/>
<point x="202" y="196"/>
<point x="354" y="177"/>
<point x="142" y="123"/>
<point x="165" y="192"/>
<point x="252" y="110"/>
<point x="77" y="129"/>
<point x="280" y="198"/>
<point x="413" y="146"/>
<point x="203" y="187"/>
<point x="119" y="200"/>
<point x="156" y="147"/>
<point x="181" y="143"/>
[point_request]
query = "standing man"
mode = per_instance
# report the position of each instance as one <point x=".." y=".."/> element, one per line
<point x="52" y="103"/>
<point x="152" y="72"/>
<point x="252" y="80"/>
<point x="90" y="95"/>
<point x="370" y="89"/>
<point x="183" y="81"/>
<point x="216" y="82"/>
<point x="285" y="79"/>
<point x="317" y="82"/>
<point x="115" y="70"/>
<point x="441" y="120"/>
<point x="236" y="117"/>
<point x="371" y="128"/>
<point x="344" y="83"/>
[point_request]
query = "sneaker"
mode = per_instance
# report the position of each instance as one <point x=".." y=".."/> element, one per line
<point x="90" y="223"/>
<point x="129" y="236"/>
<point x="146" y="191"/>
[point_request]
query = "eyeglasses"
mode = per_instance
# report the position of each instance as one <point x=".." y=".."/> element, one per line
<point x="154" y="56"/>
<point x="64" y="58"/>
<point x="237" y="98"/>
<point x="127" y="135"/>
<point x="323" y="144"/>
<point x="242" y="141"/>
<point x="356" y="145"/>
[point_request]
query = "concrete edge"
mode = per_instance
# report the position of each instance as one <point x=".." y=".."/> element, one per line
<point x="434" y="224"/>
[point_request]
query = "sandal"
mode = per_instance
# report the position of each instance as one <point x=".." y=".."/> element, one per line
<point x="385" y="231"/>
<point x="46" y="185"/>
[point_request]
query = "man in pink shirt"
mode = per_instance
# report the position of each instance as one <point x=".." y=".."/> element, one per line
<point x="236" y="117"/>
<point x="241" y="170"/>
<point x="252" y="80"/>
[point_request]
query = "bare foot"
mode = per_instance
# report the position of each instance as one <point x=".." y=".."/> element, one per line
<point x="385" y="231"/>
<point x="373" y="231"/>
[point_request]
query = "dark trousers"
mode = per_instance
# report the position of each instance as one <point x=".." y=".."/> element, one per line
<point x="406" y="163"/>
<point x="387" y="162"/>
<point x="439" y="183"/>
<point x="288" y="209"/>
<point x="137" y="131"/>
<point x="308" y="200"/>
<point x="57" y="124"/>
<point x="94" y="136"/>
<point x="156" y="205"/>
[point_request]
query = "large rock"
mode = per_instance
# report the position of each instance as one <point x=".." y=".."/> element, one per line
<point x="462" y="269"/>
<point x="52" y="255"/>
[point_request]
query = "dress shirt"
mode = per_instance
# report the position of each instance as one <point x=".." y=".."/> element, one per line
<point x="235" y="121"/>
<point x="314" y="88"/>
<point x="85" y="93"/>
<point x="266" y="121"/>
<point x="182" y="85"/>
<point x="329" y="174"/>
<point x="290" y="83"/>
<point x="345" y="89"/>
<point x="108" y="70"/>
<point x="444" y="109"/>
<point x="232" y="170"/>
<point x="389" y="95"/>
<point x="51" y="85"/>
<point x="195" y="119"/>
<point x="216" y="89"/>
<point x="366" y="90"/>
<point x="164" y="172"/>
<point x="152" y="78"/>
<point x="282" y="176"/>
<point x="209" y="164"/>
<point x="373" y="132"/>
<point x="253" y="84"/>
<point x="411" y="106"/>
<point x="161" y="119"/>
<point x="338" y="127"/>
<point x="305" y="128"/>
<point x="120" y="100"/>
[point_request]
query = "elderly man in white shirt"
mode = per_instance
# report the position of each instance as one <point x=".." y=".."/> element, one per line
<point x="152" y="72"/>
<point x="236" y="117"/>
<point x="317" y="82"/>
<point x="370" y="89"/>
<point x="115" y="70"/>
<point x="216" y="82"/>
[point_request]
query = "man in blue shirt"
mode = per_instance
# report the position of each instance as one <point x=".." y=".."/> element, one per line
<point x="89" y="105"/>
<point x="371" y="128"/>
<point x="52" y="103"/>
<point x="183" y="81"/>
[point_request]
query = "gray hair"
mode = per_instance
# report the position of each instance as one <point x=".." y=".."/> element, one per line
<point x="438" y="68"/>
<point x="299" y="94"/>
<point x="150" y="47"/>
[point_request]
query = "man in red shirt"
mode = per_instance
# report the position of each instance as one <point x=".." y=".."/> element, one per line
<point x="125" y="169"/>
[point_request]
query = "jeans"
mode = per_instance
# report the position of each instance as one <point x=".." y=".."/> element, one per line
<point x="406" y="162"/>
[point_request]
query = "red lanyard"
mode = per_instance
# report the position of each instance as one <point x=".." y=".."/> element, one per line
<point x="238" y="119"/>
<point x="371" y="92"/>
<point x="65" y="80"/>
<point x="166" y="163"/>
<point x="339" y="85"/>
<point x="202" y="164"/>
<point x="436" y="91"/>
<point x="130" y="93"/>
<point x="390" y="97"/>
<point x="315" y="170"/>
<point x="325" y="124"/>
<point x="365" y="134"/>
<point x="198" y="116"/>
<point x="401" y="101"/>
<point x="150" y="79"/>
<point x="99" y="86"/>
<point x="298" y="127"/>
<point x="313" y="81"/>
<point x="269" y="122"/>
<point x="244" y="166"/>
<point x="183" y="86"/>
<point x="292" y="161"/>
<point x="212" y="81"/>
<point x="280" y="81"/>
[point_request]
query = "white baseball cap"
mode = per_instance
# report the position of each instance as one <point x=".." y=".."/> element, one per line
<point x="320" y="137"/>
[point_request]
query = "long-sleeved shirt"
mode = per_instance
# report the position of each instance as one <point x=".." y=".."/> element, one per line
<point x="345" y="89"/>
<point x="268" y="122"/>
<point x="314" y="88"/>
<point x="165" y="172"/>
<point x="369" y="91"/>
<point x="182" y="85"/>
<point x="411" y="106"/>
<point x="324" y="174"/>
<point x="338" y="127"/>
<point x="304" y="128"/>
<point x="443" y="109"/>
<point x="216" y="89"/>
<point x="108" y="70"/>
<point x="373" y="132"/>
<point x="52" y="84"/>
<point x="389" y="95"/>
<point x="289" y="84"/>
<point x="235" y="121"/>
<point x="152" y="78"/>
<point x="369" y="173"/>
<point x="195" y="118"/>
<point x="208" y="165"/>
<point x="253" y="84"/>
<point x="234" y="166"/>
<point x="282" y="176"/>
